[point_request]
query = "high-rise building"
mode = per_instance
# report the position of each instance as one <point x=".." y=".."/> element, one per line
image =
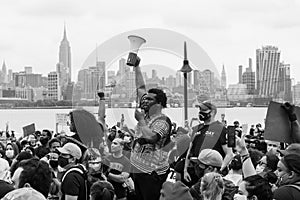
<point x="54" y="89"/>
<point x="111" y="77"/>
<point x="154" y="74"/>
<point x="240" y="73"/>
<point x="196" y="79"/>
<point x="170" y="82"/>
<point x="248" y="78"/>
<point x="64" y="64"/>
<point x="3" y="74"/>
<point x="284" y="82"/>
<point x="28" y="69"/>
<point x="267" y="71"/>
<point x="223" y="78"/>
<point x="179" y="78"/>
<point x="102" y="77"/>
<point x="208" y="78"/>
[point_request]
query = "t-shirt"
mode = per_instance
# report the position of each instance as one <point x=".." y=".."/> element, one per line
<point x="204" y="138"/>
<point x="74" y="184"/>
<point x="287" y="193"/>
<point x="153" y="157"/>
<point x="5" y="188"/>
<point x="117" y="166"/>
<point x="206" y="135"/>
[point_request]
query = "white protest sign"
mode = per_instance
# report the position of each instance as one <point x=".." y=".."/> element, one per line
<point x="62" y="118"/>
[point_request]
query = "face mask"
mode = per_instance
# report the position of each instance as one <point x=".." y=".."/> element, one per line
<point x="127" y="139"/>
<point x="63" y="161"/>
<point x="44" y="140"/>
<point x="240" y="197"/>
<point x="53" y="163"/>
<point x="259" y="169"/>
<point x="199" y="172"/>
<point x="9" y="153"/>
<point x="204" y="116"/>
<point x="95" y="167"/>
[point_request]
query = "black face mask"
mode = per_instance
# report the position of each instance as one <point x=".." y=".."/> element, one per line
<point x="53" y="164"/>
<point x="44" y="140"/>
<point x="204" y="116"/>
<point x="63" y="161"/>
<point x="199" y="171"/>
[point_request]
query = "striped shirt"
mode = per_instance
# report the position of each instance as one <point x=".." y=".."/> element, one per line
<point x="152" y="157"/>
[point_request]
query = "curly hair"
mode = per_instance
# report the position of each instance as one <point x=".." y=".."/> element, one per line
<point x="37" y="173"/>
<point x="161" y="97"/>
<point x="212" y="185"/>
<point x="258" y="186"/>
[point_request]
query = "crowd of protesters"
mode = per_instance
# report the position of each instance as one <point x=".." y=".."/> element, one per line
<point x="154" y="160"/>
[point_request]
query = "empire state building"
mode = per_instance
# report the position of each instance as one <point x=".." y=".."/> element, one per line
<point x="64" y="65"/>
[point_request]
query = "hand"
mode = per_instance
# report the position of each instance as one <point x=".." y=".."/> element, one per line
<point x="139" y="114"/>
<point x="289" y="108"/>
<point x="101" y="95"/>
<point x="186" y="176"/>
<point x="240" y="143"/>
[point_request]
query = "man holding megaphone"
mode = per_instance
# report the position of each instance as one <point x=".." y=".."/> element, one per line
<point x="149" y="157"/>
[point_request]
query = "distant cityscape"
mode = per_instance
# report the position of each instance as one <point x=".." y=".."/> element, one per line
<point x="270" y="81"/>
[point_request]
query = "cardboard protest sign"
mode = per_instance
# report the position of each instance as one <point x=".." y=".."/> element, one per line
<point x="29" y="129"/>
<point x="278" y="126"/>
<point x="62" y="118"/>
<point x="88" y="129"/>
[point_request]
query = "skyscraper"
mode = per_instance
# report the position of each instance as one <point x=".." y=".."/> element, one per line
<point x="64" y="64"/>
<point x="223" y="78"/>
<point x="240" y="73"/>
<point x="285" y="82"/>
<point x="267" y="71"/>
<point x="248" y="78"/>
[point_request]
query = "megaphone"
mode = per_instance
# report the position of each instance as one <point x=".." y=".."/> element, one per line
<point x="135" y="43"/>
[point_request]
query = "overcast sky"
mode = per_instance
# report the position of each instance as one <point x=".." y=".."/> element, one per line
<point x="228" y="30"/>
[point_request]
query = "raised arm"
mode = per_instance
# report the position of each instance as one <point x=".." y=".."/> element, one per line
<point x="139" y="82"/>
<point x="295" y="127"/>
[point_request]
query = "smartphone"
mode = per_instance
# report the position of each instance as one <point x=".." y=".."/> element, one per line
<point x="230" y="136"/>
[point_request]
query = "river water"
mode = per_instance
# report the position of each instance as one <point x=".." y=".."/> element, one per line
<point x="46" y="118"/>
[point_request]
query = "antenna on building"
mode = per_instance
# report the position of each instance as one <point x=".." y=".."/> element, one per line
<point x="96" y="53"/>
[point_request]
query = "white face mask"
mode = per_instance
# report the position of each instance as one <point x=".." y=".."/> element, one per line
<point x="259" y="169"/>
<point x="9" y="153"/>
<point x="240" y="197"/>
<point x="127" y="139"/>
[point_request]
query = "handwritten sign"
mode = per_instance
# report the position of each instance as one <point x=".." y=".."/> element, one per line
<point x="29" y="129"/>
<point x="62" y="118"/>
<point x="278" y="126"/>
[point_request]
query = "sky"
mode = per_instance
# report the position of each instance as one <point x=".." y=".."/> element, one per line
<point x="229" y="31"/>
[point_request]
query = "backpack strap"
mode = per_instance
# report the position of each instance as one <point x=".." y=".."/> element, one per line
<point x="81" y="170"/>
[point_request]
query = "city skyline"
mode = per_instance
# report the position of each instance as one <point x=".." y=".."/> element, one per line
<point x="230" y="32"/>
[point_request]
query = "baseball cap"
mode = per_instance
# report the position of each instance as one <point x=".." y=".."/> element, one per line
<point x="292" y="148"/>
<point x="210" y="157"/>
<point x="71" y="149"/>
<point x="25" y="193"/>
<point x="206" y="106"/>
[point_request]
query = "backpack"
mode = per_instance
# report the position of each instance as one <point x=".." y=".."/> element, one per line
<point x="80" y="169"/>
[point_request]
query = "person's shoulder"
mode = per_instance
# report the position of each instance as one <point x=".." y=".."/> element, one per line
<point x="286" y="191"/>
